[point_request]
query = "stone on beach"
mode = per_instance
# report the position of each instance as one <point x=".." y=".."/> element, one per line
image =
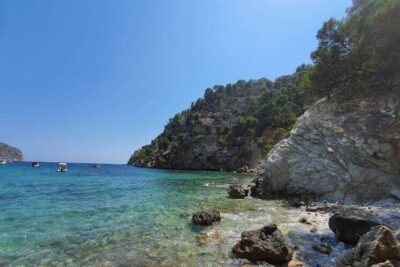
<point x="265" y="244"/>
<point x="349" y="228"/>
<point x="374" y="248"/>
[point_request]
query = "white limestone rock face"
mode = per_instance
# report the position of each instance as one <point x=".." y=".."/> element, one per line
<point x="346" y="152"/>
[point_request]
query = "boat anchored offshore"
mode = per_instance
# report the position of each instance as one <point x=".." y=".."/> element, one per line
<point x="96" y="165"/>
<point x="3" y="161"/>
<point x="35" y="164"/>
<point x="62" y="167"/>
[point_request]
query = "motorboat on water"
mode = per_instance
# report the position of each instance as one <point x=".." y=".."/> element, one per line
<point x="3" y="160"/>
<point x="62" y="167"/>
<point x="35" y="164"/>
<point x="96" y="165"/>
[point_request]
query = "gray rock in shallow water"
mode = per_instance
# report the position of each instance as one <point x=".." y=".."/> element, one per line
<point x="374" y="248"/>
<point x="266" y="244"/>
<point x="348" y="152"/>
<point x="205" y="218"/>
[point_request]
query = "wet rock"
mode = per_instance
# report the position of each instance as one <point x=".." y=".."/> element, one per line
<point x="349" y="228"/>
<point x="313" y="229"/>
<point x="238" y="191"/>
<point x="266" y="244"/>
<point x="375" y="247"/>
<point x="322" y="248"/>
<point x="205" y="218"/>
<point x="256" y="189"/>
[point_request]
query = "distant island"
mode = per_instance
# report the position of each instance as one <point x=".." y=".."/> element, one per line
<point x="10" y="153"/>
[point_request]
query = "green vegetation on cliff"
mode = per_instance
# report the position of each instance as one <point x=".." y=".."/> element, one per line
<point x="231" y="126"/>
<point x="237" y="124"/>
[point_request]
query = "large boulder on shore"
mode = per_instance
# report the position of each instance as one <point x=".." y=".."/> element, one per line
<point x="374" y="248"/>
<point x="266" y="244"/>
<point x="206" y="218"/>
<point x="345" y="152"/>
<point x="349" y="228"/>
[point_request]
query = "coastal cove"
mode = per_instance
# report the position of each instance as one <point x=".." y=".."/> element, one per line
<point x="264" y="169"/>
<point x="119" y="215"/>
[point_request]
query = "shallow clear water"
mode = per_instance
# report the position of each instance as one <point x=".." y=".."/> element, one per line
<point x="119" y="215"/>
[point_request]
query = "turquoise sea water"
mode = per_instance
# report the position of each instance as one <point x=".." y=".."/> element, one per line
<point x="119" y="215"/>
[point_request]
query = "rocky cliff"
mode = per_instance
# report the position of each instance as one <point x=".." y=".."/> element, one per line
<point x="10" y="153"/>
<point x="339" y="151"/>
<point x="205" y="136"/>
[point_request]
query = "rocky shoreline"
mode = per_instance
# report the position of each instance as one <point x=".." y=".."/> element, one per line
<point x="331" y="234"/>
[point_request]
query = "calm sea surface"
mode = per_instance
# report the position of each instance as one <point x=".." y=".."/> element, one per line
<point x="119" y="215"/>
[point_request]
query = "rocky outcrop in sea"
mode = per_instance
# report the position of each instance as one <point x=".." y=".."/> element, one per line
<point x="347" y="152"/>
<point x="10" y="153"/>
<point x="206" y="218"/>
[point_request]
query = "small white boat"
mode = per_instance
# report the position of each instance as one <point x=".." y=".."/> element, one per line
<point x="3" y="160"/>
<point x="96" y="165"/>
<point x="35" y="164"/>
<point x="62" y="167"/>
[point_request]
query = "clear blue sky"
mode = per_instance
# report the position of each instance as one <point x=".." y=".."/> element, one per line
<point x="93" y="80"/>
